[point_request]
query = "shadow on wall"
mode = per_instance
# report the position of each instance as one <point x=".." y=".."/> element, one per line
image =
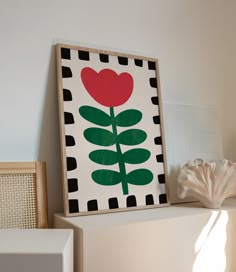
<point x="230" y="146"/>
<point x="172" y="179"/>
<point x="173" y="186"/>
<point x="49" y="146"/>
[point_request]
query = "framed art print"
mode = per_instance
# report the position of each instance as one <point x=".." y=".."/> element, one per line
<point x="111" y="128"/>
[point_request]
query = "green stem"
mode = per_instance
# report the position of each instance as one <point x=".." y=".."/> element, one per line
<point x="119" y="154"/>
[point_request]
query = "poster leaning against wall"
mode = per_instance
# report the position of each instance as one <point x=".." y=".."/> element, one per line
<point x="111" y="128"/>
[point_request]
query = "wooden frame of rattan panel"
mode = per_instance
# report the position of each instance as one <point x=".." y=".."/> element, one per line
<point x="39" y="170"/>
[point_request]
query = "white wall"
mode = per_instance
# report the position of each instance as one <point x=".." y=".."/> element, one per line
<point x="229" y="91"/>
<point x="185" y="35"/>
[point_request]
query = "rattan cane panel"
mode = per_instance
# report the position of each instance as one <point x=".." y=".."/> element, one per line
<point x="18" y="201"/>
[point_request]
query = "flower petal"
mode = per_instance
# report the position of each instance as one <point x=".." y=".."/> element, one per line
<point x="107" y="87"/>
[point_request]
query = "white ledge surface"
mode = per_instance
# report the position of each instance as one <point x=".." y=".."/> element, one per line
<point x="36" y="250"/>
<point x="183" y="237"/>
<point x="45" y="241"/>
<point x="141" y="216"/>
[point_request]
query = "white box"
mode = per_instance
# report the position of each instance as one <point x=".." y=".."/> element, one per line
<point x="36" y="250"/>
<point x="184" y="237"/>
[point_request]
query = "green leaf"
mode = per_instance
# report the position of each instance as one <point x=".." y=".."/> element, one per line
<point x="139" y="177"/>
<point x="106" y="177"/>
<point x="104" y="157"/>
<point x="99" y="136"/>
<point x="132" y="137"/>
<point x="128" y="118"/>
<point x="137" y="155"/>
<point x="95" y="116"/>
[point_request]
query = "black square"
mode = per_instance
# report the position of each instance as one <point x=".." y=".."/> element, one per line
<point x="92" y="205"/>
<point x="67" y="95"/>
<point x="72" y="185"/>
<point x="104" y="58"/>
<point x="161" y="178"/>
<point x="162" y="198"/>
<point x="73" y="206"/>
<point x="158" y="140"/>
<point x="153" y="82"/>
<point x="65" y="53"/>
<point x="156" y="119"/>
<point x="71" y="163"/>
<point x="151" y="65"/>
<point x="113" y="203"/>
<point x="123" y="60"/>
<point x="131" y="201"/>
<point x="83" y="55"/>
<point x="160" y="158"/>
<point x="138" y="62"/>
<point x="70" y="141"/>
<point x="68" y="118"/>
<point x="66" y="72"/>
<point x="149" y="200"/>
<point x="155" y="100"/>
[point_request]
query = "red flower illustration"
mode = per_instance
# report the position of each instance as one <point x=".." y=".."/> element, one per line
<point x="107" y="87"/>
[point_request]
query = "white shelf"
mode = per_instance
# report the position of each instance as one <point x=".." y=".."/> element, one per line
<point x="183" y="237"/>
<point x="140" y="216"/>
<point x="36" y="250"/>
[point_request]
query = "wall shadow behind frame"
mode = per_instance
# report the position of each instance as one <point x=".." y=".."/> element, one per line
<point x="23" y="195"/>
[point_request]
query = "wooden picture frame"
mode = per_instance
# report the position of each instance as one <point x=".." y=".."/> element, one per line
<point x="111" y="130"/>
<point x="23" y="195"/>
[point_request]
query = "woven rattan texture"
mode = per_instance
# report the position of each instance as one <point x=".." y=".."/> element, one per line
<point x="18" y="201"/>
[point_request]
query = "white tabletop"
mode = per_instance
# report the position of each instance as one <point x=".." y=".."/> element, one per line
<point x="45" y="241"/>
<point x="107" y="220"/>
